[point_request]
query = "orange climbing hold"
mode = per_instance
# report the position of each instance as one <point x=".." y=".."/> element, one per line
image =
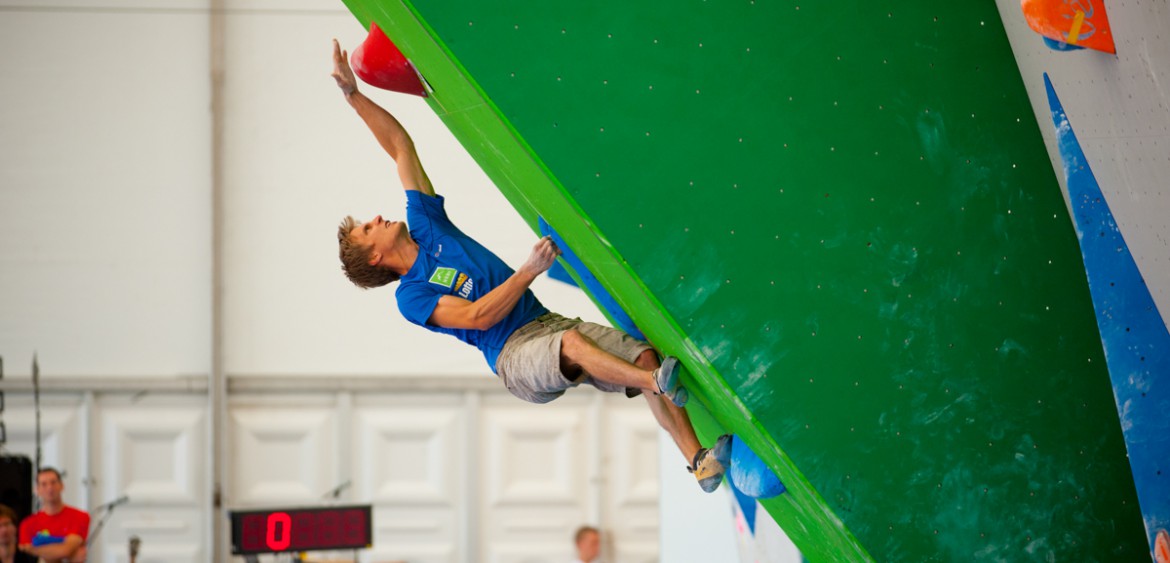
<point x="1076" y="22"/>
<point x="378" y="62"/>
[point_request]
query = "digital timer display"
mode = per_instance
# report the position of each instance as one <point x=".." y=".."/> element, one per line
<point x="301" y="529"/>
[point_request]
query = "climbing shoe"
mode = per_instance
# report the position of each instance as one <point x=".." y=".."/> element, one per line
<point x="666" y="376"/>
<point x="710" y="464"/>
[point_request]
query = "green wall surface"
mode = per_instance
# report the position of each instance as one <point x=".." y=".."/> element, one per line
<point x="842" y="217"/>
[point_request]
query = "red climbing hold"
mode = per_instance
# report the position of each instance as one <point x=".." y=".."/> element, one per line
<point x="379" y="63"/>
<point x="1078" y="23"/>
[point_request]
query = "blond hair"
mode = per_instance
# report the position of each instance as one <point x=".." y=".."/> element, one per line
<point x="355" y="259"/>
<point x="583" y="531"/>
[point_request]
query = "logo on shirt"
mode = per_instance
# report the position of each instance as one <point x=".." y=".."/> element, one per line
<point x="464" y="284"/>
<point x="443" y="276"/>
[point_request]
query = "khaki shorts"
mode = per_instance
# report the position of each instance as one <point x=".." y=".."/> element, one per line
<point x="530" y="363"/>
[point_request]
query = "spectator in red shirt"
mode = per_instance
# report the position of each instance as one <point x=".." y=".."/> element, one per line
<point x="57" y="532"/>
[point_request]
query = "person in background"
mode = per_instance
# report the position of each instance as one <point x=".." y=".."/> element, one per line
<point x="588" y="542"/>
<point x="58" y="532"/>
<point x="8" y="550"/>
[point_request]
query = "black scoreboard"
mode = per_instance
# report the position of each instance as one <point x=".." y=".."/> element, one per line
<point x="282" y="530"/>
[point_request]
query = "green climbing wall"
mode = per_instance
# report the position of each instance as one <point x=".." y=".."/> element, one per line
<point x="841" y="215"/>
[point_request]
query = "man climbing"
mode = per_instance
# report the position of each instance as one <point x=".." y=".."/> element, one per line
<point x="449" y="283"/>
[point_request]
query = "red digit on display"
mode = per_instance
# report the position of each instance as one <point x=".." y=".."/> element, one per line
<point x="285" y="522"/>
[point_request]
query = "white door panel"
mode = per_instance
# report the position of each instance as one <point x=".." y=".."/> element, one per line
<point x="281" y="456"/>
<point x="62" y="437"/>
<point x="154" y="455"/>
<point x="152" y="451"/>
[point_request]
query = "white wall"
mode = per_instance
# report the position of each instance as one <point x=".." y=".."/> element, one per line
<point x="696" y="526"/>
<point x="105" y="216"/>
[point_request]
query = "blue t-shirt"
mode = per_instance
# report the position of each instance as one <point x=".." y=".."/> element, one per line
<point x="451" y="263"/>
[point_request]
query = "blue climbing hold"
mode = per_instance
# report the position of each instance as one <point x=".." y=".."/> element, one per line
<point x="592" y="285"/>
<point x="1060" y="45"/>
<point x="750" y="475"/>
